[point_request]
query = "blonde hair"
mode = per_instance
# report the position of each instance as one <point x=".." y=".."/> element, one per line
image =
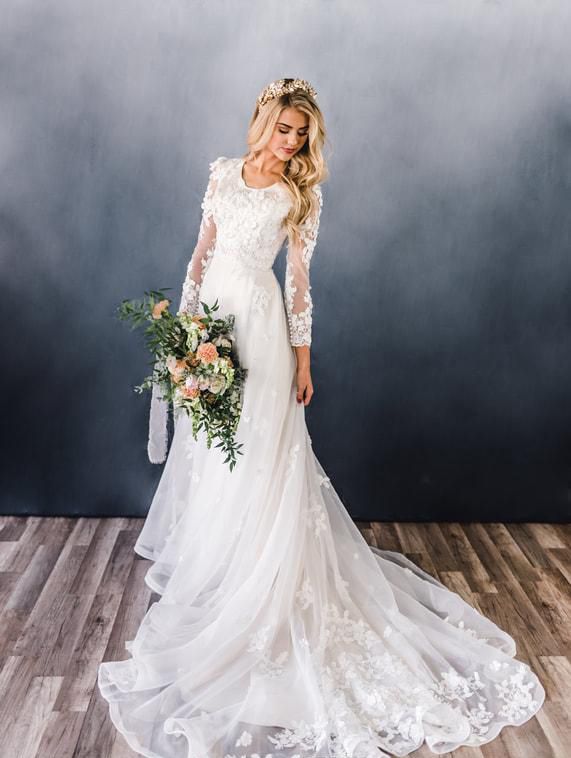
<point x="304" y="169"/>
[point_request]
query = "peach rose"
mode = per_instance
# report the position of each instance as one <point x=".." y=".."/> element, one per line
<point x="177" y="371"/>
<point x="190" y="392"/>
<point x="207" y="352"/>
<point x="159" y="307"/>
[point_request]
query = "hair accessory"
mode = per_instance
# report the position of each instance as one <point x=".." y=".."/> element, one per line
<point x="283" y="87"/>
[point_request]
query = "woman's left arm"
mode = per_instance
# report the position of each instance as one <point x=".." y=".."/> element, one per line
<point x="299" y="305"/>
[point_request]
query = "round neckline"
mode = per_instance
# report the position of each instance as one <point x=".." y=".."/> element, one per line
<point x="247" y="186"/>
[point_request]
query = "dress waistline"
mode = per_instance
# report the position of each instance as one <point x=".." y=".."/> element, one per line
<point x="241" y="259"/>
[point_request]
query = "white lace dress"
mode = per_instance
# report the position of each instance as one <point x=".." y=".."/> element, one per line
<point x="279" y="632"/>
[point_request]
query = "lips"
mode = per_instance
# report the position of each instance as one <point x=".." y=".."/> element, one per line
<point x="286" y="150"/>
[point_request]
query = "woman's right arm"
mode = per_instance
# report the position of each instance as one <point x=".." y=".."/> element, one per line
<point x="158" y="417"/>
<point x="205" y="245"/>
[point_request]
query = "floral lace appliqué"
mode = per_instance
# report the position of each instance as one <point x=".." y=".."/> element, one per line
<point x="259" y="639"/>
<point x="261" y="298"/>
<point x="292" y="459"/>
<point x="317" y="519"/>
<point x="305" y="594"/>
<point x="373" y="696"/>
<point x="302" y="735"/>
<point x="273" y="668"/>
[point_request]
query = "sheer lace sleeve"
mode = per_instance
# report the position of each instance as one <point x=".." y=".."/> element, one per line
<point x="205" y="245"/>
<point x="297" y="288"/>
<point x="157" y="444"/>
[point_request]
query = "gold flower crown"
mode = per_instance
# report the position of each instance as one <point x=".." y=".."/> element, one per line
<point x="282" y="87"/>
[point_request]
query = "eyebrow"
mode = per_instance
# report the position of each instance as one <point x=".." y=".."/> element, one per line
<point x="281" y="123"/>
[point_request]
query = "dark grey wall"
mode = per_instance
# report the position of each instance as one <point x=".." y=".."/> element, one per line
<point x="441" y="279"/>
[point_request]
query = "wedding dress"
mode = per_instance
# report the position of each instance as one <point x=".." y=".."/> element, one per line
<point x="279" y="632"/>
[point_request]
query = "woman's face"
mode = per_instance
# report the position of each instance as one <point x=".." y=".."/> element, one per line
<point x="290" y="133"/>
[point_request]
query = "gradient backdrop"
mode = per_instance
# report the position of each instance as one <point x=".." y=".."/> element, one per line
<point x="441" y="279"/>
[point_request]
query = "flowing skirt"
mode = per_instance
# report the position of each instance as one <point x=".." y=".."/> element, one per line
<point x="280" y="633"/>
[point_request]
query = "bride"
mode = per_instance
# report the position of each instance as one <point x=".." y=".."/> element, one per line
<point x="279" y="632"/>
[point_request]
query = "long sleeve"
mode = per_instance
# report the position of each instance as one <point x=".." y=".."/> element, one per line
<point x="205" y="245"/>
<point x="157" y="444"/>
<point x="297" y="287"/>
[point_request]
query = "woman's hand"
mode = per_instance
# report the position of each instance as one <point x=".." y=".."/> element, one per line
<point x="303" y="375"/>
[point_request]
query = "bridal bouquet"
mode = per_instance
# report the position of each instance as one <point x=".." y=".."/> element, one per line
<point x="195" y="365"/>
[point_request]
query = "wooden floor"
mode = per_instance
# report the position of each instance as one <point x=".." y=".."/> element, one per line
<point x="72" y="592"/>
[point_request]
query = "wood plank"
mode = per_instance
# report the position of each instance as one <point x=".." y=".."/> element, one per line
<point x="23" y="735"/>
<point x="81" y="580"/>
<point x="119" y="564"/>
<point x="87" y="653"/>
<point x="89" y="574"/>
<point x="561" y="558"/>
<point x="488" y="553"/>
<point x="67" y="628"/>
<point x="557" y="680"/>
<point x="30" y="584"/>
<point x="13" y="528"/>
<point x="11" y="624"/>
<point x="16" y="681"/>
<point x="511" y="553"/>
<point x="436" y="546"/>
<point x="48" y="607"/>
<point x="84" y="530"/>
<point x="564" y="532"/>
<point x="8" y="581"/>
<point x="526" y="739"/>
<point x="549" y="604"/>
<point x="368" y="535"/>
<point x="457" y="582"/>
<point x="525" y="538"/>
<point x="513" y="613"/>
<point x="555" y="720"/>
<point x="60" y="735"/>
<point x="7" y="552"/>
<point x="98" y="733"/>
<point x="466" y="558"/>
<point x="387" y="536"/>
<point x="424" y="560"/>
<point x="547" y="535"/>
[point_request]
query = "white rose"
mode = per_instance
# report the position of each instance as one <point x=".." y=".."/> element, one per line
<point x="217" y="384"/>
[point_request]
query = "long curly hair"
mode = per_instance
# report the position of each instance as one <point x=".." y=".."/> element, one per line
<point x="304" y="169"/>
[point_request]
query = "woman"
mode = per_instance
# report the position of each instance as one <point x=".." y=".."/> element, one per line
<point x="280" y="632"/>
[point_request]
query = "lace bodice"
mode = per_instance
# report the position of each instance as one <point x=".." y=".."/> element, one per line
<point x="247" y="223"/>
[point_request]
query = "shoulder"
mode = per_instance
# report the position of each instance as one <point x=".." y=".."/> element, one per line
<point x="318" y="193"/>
<point x="218" y="163"/>
<point x="318" y="199"/>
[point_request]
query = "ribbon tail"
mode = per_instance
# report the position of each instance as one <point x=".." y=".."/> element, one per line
<point x="158" y="426"/>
